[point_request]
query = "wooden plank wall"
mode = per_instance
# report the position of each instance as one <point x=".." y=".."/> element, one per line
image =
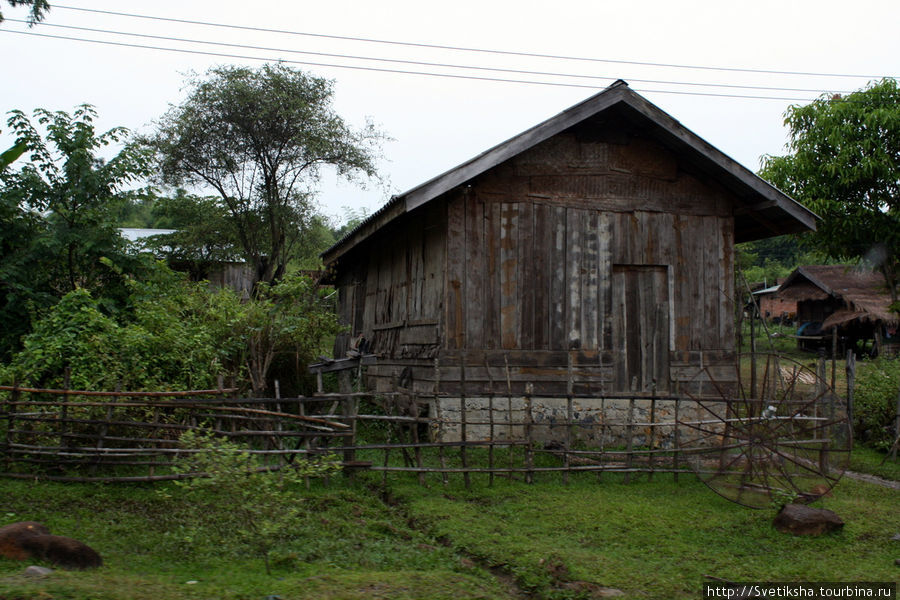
<point x="532" y="250"/>
<point x="391" y="291"/>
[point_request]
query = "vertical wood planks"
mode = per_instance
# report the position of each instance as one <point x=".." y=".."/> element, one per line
<point x="604" y="282"/>
<point x="491" y="282"/>
<point x="590" y="282"/>
<point x="543" y="268"/>
<point x="710" y="282"/>
<point x="574" y="275"/>
<point x="434" y="248"/>
<point x="509" y="287"/>
<point x="416" y="266"/>
<point x="558" y="268"/>
<point x="525" y="276"/>
<point x="474" y="273"/>
<point x="726" y="280"/>
<point x="456" y="292"/>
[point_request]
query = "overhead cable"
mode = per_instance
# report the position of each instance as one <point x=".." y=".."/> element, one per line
<point x="398" y="71"/>
<point x="428" y="64"/>
<point x="466" y="49"/>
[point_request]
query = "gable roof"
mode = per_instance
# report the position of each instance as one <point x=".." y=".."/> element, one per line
<point x="863" y="293"/>
<point x="766" y="211"/>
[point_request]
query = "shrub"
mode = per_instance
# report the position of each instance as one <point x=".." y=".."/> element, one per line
<point x="875" y="402"/>
<point x="239" y="496"/>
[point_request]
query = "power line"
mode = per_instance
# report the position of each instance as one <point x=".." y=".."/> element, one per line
<point x="397" y="71"/>
<point x="425" y="63"/>
<point x="466" y="49"/>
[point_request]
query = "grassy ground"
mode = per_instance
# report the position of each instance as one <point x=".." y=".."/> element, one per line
<point x="866" y="460"/>
<point x="347" y="545"/>
<point x="654" y="539"/>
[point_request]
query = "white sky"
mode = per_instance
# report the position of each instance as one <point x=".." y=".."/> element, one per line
<point x="436" y="123"/>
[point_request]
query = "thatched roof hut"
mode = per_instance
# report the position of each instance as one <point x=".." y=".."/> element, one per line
<point x="855" y="301"/>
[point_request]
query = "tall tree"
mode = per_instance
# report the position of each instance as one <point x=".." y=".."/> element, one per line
<point x="844" y="164"/>
<point x="259" y="139"/>
<point x="57" y="212"/>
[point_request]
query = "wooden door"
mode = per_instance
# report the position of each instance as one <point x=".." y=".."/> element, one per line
<point x="640" y="320"/>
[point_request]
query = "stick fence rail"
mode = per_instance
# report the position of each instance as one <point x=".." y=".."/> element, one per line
<point x="84" y="436"/>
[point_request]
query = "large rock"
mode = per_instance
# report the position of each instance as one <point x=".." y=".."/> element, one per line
<point x="11" y="537"/>
<point x="799" y="519"/>
<point x="62" y="551"/>
<point x="29" y="539"/>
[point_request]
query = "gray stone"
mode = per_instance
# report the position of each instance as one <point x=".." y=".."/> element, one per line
<point x="36" y="571"/>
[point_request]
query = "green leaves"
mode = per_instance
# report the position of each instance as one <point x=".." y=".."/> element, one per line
<point x="58" y="213"/>
<point x="259" y="139"/>
<point x="8" y="157"/>
<point x="264" y="505"/>
<point x="39" y="9"/>
<point x="845" y="166"/>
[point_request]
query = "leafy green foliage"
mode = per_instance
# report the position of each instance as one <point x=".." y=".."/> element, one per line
<point x="172" y="334"/>
<point x="11" y="155"/>
<point x="57" y="215"/>
<point x="875" y="402"/>
<point x="259" y="139"/>
<point x="39" y="9"/>
<point x="263" y="504"/>
<point x="289" y="316"/>
<point x="774" y="258"/>
<point x="845" y="166"/>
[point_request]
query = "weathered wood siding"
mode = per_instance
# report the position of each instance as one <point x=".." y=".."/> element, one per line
<point x="593" y="252"/>
<point x="392" y="290"/>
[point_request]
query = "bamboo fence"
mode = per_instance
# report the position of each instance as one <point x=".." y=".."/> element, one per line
<point x="88" y="436"/>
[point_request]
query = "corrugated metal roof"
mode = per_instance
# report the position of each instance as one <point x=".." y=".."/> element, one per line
<point x="767" y="210"/>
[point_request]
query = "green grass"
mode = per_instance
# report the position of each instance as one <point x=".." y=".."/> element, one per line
<point x="652" y="539"/>
<point x="867" y="460"/>
<point x="347" y="545"/>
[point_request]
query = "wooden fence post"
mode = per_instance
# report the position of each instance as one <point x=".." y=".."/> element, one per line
<point x="414" y="412"/>
<point x="570" y="389"/>
<point x="630" y="440"/>
<point x="487" y="366"/>
<point x="652" y="441"/>
<point x="529" y="445"/>
<point x="64" y="413"/>
<point x="896" y="429"/>
<point x="676" y="459"/>
<point x="462" y="421"/>
<point x="11" y="404"/>
<point x="349" y="409"/>
<point x="851" y="385"/>
<point x="440" y="417"/>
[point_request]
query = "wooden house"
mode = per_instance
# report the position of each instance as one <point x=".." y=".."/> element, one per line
<point x="842" y="305"/>
<point x="597" y="246"/>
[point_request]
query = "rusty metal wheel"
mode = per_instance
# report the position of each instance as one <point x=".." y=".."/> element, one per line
<point x="778" y="433"/>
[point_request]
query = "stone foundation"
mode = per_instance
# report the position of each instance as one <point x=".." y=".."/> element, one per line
<point x="595" y="422"/>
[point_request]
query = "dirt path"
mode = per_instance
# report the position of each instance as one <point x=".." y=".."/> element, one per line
<point x="888" y="483"/>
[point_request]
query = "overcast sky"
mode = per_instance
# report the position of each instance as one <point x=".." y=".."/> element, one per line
<point x="438" y="122"/>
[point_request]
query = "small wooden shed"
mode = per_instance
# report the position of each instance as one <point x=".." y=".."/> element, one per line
<point x="597" y="244"/>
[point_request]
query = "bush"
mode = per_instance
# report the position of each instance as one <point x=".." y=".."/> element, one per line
<point x="172" y="335"/>
<point x="239" y="497"/>
<point x="875" y="402"/>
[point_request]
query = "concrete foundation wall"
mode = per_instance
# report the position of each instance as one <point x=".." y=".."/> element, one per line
<point x="594" y="422"/>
